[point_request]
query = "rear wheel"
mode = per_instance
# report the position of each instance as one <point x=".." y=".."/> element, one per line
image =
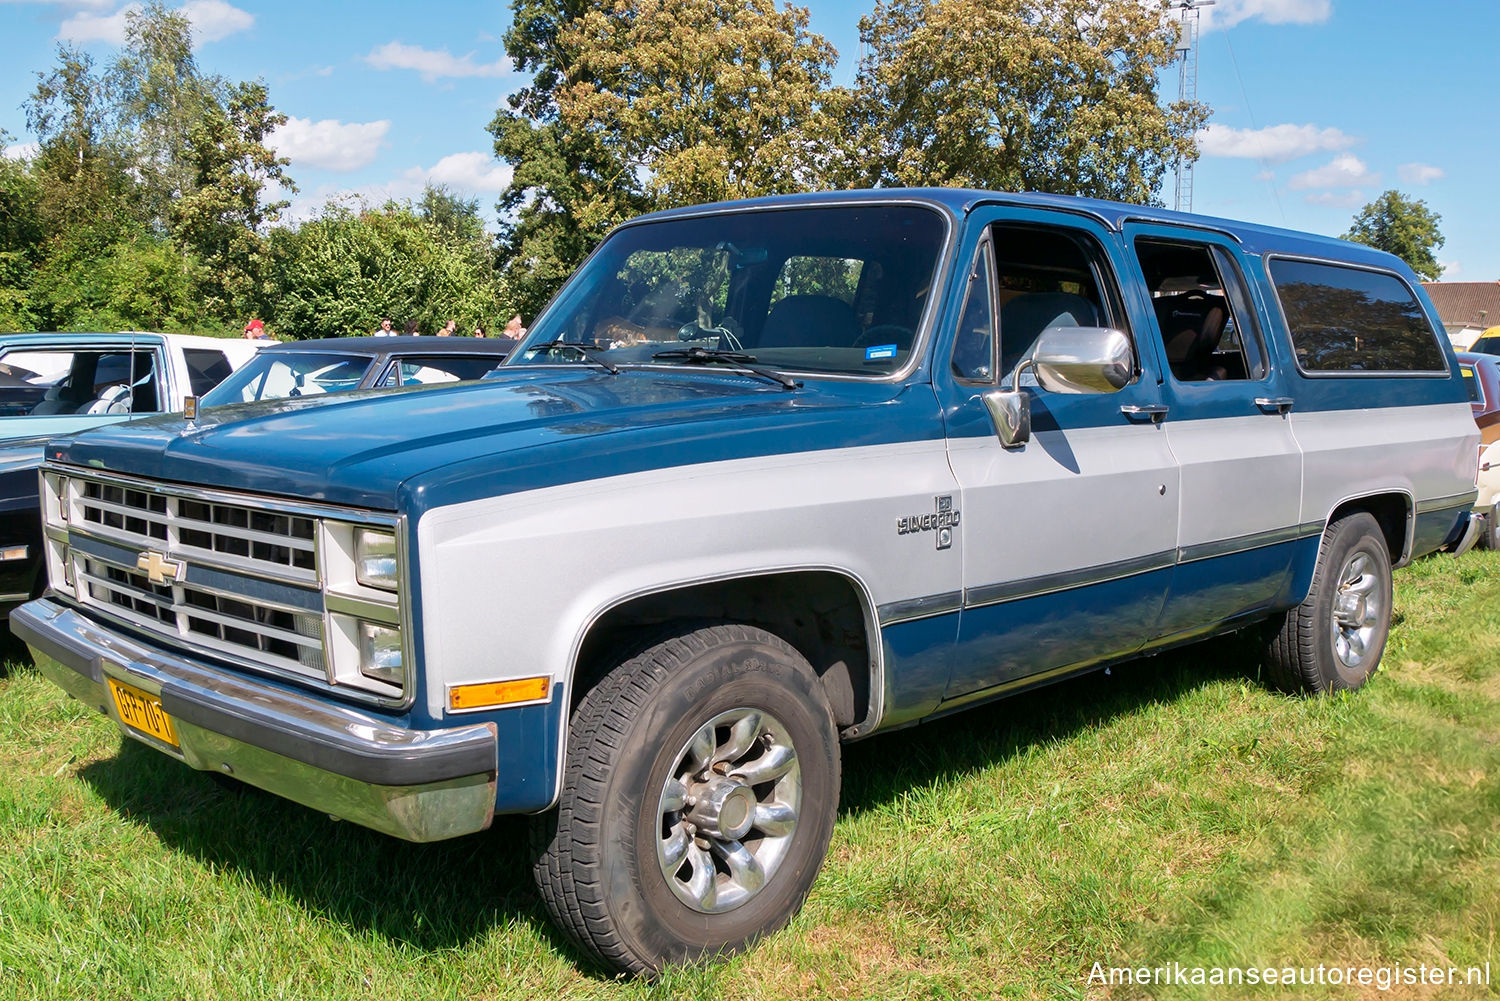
<point x="1335" y="638"/>
<point x="698" y="800"/>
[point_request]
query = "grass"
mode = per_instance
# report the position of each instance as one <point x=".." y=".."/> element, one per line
<point x="1172" y="811"/>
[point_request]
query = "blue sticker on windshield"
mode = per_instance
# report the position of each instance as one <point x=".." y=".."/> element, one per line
<point x="877" y="352"/>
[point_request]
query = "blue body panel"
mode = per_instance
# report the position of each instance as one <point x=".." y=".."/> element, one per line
<point x="534" y="427"/>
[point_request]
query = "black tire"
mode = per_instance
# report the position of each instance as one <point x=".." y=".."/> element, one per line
<point x="601" y="868"/>
<point x="1333" y="641"/>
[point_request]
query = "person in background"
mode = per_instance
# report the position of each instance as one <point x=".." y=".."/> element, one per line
<point x="513" y="328"/>
<point x="479" y="330"/>
<point x="384" y="330"/>
<point x="256" y="331"/>
<point x="449" y="329"/>
<point x="411" y="329"/>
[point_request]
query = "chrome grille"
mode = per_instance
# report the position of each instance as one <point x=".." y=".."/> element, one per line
<point x="236" y="536"/>
<point x="288" y="639"/>
<point x="263" y="583"/>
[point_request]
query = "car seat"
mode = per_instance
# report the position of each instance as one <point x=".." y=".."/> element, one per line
<point x="1191" y="325"/>
<point x="809" y="321"/>
<point x="1023" y="319"/>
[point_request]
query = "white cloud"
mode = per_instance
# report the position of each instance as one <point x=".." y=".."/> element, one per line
<point x="21" y="151"/>
<point x="86" y="26"/>
<point x="1345" y="171"/>
<point x="465" y="174"/>
<point x="434" y="65"/>
<point x="1275" y="143"/>
<point x="1351" y="199"/>
<point x="213" y="20"/>
<point x="1419" y="173"/>
<point x="330" y="144"/>
<point x="1228" y="13"/>
<point x="1451" y="269"/>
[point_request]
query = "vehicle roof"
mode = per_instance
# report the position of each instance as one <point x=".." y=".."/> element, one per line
<point x="402" y="344"/>
<point x="1253" y="237"/>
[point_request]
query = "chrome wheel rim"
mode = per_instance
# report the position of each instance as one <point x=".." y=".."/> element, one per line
<point x="728" y="810"/>
<point x="1358" y="607"/>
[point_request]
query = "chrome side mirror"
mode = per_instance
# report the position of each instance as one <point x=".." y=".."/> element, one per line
<point x="1010" y="410"/>
<point x="1079" y="360"/>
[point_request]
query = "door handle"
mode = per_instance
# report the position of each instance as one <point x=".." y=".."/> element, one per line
<point x="1274" y="404"/>
<point x="1155" y="412"/>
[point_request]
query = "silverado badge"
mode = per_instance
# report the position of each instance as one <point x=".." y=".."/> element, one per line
<point x="158" y="568"/>
<point x="943" y="520"/>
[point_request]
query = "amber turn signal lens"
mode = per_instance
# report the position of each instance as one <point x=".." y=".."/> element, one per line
<point x="498" y="693"/>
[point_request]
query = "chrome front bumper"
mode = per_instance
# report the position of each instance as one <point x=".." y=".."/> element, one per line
<point x="421" y="785"/>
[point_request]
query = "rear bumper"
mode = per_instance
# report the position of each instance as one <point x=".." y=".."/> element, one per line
<point x="421" y="785"/>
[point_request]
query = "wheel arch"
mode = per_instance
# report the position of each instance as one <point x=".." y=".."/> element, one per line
<point x="1393" y="510"/>
<point x="826" y="613"/>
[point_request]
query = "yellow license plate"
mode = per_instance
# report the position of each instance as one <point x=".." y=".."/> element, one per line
<point x="143" y="712"/>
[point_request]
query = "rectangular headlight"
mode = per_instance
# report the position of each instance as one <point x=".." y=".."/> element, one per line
<point x="380" y="652"/>
<point x="375" y="559"/>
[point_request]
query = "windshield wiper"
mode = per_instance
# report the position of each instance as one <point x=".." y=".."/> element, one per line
<point x="582" y="352"/>
<point x="738" y="359"/>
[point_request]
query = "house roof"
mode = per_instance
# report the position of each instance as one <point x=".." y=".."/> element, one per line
<point x="1474" y="304"/>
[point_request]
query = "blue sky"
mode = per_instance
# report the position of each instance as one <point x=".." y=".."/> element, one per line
<point x="1319" y="105"/>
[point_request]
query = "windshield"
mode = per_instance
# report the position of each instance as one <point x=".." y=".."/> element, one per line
<point x="837" y="290"/>
<point x="276" y="375"/>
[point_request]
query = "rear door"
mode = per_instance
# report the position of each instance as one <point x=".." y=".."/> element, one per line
<point x="1068" y="542"/>
<point x="1228" y="424"/>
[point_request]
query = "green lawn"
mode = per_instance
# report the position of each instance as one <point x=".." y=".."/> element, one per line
<point x="1172" y="811"/>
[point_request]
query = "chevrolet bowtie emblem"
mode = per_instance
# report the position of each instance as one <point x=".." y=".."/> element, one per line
<point x="158" y="568"/>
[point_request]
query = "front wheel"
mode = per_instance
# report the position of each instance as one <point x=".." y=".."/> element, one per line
<point x="1335" y="638"/>
<point x="698" y="800"/>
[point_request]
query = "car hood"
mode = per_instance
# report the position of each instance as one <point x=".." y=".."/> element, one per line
<point x="364" y="448"/>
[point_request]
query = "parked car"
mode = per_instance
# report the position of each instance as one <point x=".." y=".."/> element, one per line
<point x="63" y="382"/>
<point x="1481" y="374"/>
<point x="58" y="383"/>
<point x="763" y="477"/>
<point x="1487" y="343"/>
<point x="332" y="365"/>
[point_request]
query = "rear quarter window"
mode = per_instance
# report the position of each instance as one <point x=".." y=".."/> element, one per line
<point x="206" y="368"/>
<point x="1345" y="319"/>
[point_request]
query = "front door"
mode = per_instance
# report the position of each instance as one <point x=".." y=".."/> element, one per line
<point x="1069" y="541"/>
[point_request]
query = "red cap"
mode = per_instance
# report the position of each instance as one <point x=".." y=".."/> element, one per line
<point x="254" y="325"/>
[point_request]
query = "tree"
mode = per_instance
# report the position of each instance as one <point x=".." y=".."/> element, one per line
<point x="222" y="214"/>
<point x="160" y="97"/>
<point x="1057" y="96"/>
<point x="567" y="187"/>
<point x="87" y="191"/>
<point x="340" y="273"/>
<point x="705" y="100"/>
<point x="1404" y="227"/>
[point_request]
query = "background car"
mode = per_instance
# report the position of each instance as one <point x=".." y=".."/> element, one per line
<point x="332" y="365"/>
<point x="1482" y="376"/>
<point x="61" y="383"/>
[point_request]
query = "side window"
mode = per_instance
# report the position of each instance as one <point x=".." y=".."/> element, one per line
<point x="1048" y="278"/>
<point x="831" y="277"/>
<point x="427" y="369"/>
<point x="206" y="368"/>
<point x="124" y="382"/>
<point x="1345" y="319"/>
<point x="1471" y="383"/>
<point x="79" y="382"/>
<point x="1202" y="311"/>
<point x="974" y="344"/>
